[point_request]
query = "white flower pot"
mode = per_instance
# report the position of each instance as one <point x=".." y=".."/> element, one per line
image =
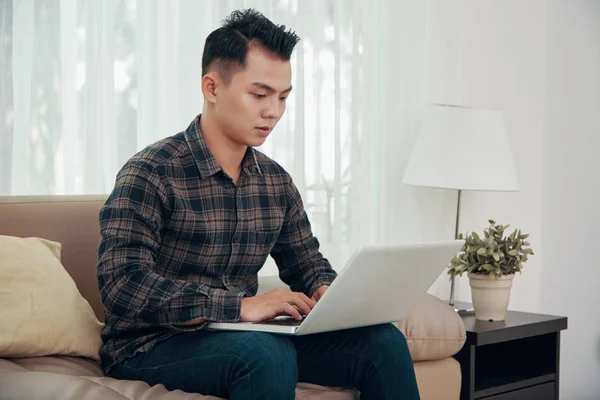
<point x="490" y="295"/>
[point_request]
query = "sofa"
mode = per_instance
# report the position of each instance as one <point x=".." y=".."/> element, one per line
<point x="47" y="357"/>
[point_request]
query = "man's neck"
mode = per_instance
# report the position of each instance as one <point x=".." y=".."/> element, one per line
<point x="228" y="154"/>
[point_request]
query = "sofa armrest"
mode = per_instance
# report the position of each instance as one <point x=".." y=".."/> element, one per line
<point x="433" y="330"/>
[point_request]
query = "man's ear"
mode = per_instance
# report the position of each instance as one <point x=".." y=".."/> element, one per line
<point x="211" y="83"/>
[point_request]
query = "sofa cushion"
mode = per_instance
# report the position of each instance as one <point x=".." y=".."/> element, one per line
<point x="439" y="379"/>
<point x="76" y="366"/>
<point x="68" y="377"/>
<point x="41" y="310"/>
<point x="433" y="330"/>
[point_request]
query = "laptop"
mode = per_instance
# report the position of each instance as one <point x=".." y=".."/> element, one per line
<point x="379" y="284"/>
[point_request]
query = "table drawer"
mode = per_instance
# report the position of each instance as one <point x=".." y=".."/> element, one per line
<point x="545" y="391"/>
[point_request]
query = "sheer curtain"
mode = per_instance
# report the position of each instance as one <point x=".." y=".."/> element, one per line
<point x="87" y="83"/>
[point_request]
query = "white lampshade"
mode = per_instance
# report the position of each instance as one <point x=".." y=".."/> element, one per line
<point x="462" y="148"/>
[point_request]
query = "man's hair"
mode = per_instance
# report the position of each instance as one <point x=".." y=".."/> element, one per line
<point x="226" y="48"/>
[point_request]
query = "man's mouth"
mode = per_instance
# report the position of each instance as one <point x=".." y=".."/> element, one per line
<point x="264" y="129"/>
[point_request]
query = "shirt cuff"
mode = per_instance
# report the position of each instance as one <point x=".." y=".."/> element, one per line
<point x="188" y="328"/>
<point x="227" y="305"/>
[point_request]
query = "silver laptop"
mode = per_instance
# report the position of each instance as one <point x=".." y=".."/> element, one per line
<point x="377" y="285"/>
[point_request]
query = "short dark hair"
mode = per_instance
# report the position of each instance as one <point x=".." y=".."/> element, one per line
<point x="226" y="48"/>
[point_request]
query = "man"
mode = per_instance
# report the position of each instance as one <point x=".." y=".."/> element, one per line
<point x="190" y="222"/>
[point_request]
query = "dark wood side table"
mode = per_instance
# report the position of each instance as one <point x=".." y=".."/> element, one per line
<point x="518" y="358"/>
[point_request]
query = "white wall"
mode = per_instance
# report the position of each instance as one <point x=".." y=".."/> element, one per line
<point x="412" y="214"/>
<point x="540" y="62"/>
<point x="490" y="54"/>
<point x="571" y="189"/>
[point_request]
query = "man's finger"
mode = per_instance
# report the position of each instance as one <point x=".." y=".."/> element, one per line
<point x="319" y="293"/>
<point x="291" y="311"/>
<point x="311" y="302"/>
<point x="300" y="304"/>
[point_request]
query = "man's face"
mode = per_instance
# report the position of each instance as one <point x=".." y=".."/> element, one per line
<point x="250" y="106"/>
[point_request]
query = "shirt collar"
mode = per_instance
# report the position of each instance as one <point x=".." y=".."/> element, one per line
<point x="250" y="163"/>
<point x="205" y="161"/>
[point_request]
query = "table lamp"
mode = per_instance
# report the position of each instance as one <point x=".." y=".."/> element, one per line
<point x="462" y="148"/>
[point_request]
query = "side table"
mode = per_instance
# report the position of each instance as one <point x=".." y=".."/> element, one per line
<point x="518" y="358"/>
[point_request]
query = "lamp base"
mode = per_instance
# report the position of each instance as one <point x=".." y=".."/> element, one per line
<point x="463" y="307"/>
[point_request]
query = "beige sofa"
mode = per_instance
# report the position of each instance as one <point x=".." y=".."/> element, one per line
<point x="434" y="332"/>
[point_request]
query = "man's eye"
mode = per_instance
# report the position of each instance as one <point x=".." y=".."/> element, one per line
<point x="259" y="96"/>
<point x="283" y="98"/>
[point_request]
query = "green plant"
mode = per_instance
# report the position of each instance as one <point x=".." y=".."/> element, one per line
<point x="494" y="254"/>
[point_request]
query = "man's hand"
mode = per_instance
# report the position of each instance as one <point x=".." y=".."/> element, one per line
<point x="319" y="293"/>
<point x="275" y="303"/>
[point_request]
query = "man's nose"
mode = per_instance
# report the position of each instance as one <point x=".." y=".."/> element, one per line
<point x="274" y="109"/>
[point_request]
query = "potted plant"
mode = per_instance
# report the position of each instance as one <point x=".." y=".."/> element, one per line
<point x="491" y="262"/>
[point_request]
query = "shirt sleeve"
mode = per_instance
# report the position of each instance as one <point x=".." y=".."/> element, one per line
<point x="296" y="252"/>
<point x="130" y="286"/>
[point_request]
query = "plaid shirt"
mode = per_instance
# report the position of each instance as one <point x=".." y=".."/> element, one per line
<point x="180" y="241"/>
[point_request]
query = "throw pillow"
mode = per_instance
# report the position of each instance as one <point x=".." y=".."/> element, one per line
<point x="41" y="310"/>
<point x="433" y="330"/>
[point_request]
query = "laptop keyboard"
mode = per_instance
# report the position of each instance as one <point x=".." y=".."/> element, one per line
<point x="282" y="322"/>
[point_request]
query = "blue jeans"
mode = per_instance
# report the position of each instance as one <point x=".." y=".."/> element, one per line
<point x="254" y="365"/>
